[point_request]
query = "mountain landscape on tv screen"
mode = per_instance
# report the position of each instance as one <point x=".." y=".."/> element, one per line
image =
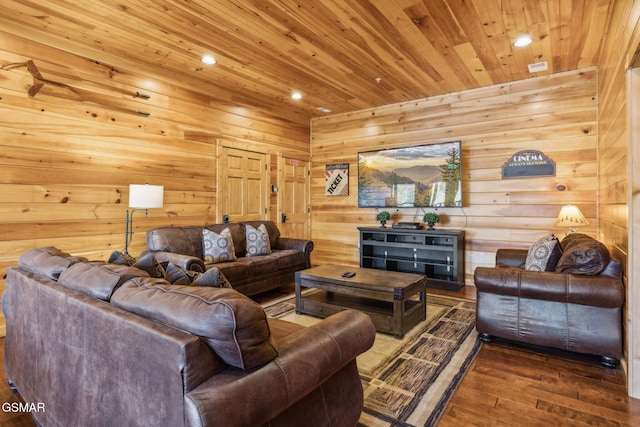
<point x="417" y="176"/>
<point x="424" y="174"/>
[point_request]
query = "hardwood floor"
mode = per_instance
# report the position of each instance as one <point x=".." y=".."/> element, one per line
<point x="507" y="385"/>
<point x="516" y="385"/>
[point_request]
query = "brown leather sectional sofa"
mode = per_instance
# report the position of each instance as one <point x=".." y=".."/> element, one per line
<point x="575" y="306"/>
<point x="183" y="246"/>
<point x="103" y="345"/>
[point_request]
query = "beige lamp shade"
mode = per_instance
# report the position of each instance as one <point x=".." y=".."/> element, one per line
<point x="145" y="196"/>
<point x="570" y="216"/>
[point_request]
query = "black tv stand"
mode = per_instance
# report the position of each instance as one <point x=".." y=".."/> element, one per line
<point x="436" y="254"/>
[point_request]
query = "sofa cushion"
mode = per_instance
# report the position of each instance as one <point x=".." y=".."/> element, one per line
<point x="97" y="279"/>
<point x="544" y="254"/>
<point x="235" y="271"/>
<point x="47" y="261"/>
<point x="582" y="254"/>
<point x="257" y="241"/>
<point x="234" y="326"/>
<point x="217" y="247"/>
<point x="289" y="259"/>
<point x="258" y="266"/>
<point x="179" y="240"/>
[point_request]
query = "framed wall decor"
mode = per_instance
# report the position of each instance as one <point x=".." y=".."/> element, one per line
<point x="337" y="179"/>
<point x="527" y="164"/>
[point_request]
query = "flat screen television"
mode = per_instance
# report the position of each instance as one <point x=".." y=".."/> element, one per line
<point x="417" y="176"/>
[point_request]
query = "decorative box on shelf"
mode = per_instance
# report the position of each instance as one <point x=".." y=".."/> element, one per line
<point x="436" y="254"/>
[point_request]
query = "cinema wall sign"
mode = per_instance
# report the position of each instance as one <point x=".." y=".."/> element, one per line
<point x="337" y="179"/>
<point x="528" y="163"/>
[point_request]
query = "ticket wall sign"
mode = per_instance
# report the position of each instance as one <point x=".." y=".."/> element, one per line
<point x="337" y="179"/>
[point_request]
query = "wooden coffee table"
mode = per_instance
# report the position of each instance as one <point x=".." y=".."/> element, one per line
<point x="396" y="302"/>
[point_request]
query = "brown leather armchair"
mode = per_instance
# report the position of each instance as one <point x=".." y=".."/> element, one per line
<point x="575" y="312"/>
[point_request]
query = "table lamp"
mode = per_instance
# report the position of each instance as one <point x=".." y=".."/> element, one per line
<point x="570" y="216"/>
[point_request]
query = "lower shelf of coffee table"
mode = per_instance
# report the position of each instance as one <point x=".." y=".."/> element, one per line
<point x="323" y="304"/>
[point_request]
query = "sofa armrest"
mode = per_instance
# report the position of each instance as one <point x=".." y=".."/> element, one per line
<point x="306" y="246"/>
<point x="512" y="257"/>
<point x="307" y="358"/>
<point x="187" y="262"/>
<point x="596" y="291"/>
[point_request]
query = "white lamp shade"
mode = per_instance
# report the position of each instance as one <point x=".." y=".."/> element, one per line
<point x="145" y="196"/>
<point x="570" y="216"/>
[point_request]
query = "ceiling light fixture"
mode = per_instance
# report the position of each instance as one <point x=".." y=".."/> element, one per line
<point x="208" y="59"/>
<point x="522" y="41"/>
<point x="296" y="95"/>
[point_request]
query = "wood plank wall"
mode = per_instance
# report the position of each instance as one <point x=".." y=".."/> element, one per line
<point x="554" y="114"/>
<point x="621" y="43"/>
<point x="621" y="47"/>
<point x="67" y="156"/>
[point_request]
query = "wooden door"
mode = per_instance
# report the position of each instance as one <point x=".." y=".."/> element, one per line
<point x="242" y="185"/>
<point x="293" y="197"/>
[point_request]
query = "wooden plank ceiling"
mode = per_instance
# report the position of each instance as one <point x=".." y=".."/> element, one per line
<point x="343" y="55"/>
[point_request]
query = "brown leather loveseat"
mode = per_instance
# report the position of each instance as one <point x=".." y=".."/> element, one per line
<point x="95" y="344"/>
<point x="575" y="302"/>
<point x="183" y="246"/>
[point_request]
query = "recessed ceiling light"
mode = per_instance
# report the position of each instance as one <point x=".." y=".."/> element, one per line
<point x="296" y="95"/>
<point x="208" y="59"/>
<point x="522" y="41"/>
<point x="323" y="109"/>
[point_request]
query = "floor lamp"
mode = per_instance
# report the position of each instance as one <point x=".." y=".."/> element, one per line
<point x="141" y="197"/>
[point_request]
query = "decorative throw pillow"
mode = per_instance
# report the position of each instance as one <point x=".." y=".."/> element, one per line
<point x="179" y="276"/>
<point x="149" y="264"/>
<point x="582" y="254"/>
<point x="543" y="253"/>
<point x="212" y="277"/>
<point x="121" y="258"/>
<point x="217" y="247"/>
<point x="257" y="240"/>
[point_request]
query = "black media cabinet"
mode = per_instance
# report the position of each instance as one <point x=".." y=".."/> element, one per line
<point x="436" y="254"/>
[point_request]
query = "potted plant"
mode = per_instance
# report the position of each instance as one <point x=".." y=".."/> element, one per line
<point x="383" y="217"/>
<point x="431" y="218"/>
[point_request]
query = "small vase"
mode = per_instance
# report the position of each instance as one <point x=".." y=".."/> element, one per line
<point x="430" y="224"/>
<point x="382" y="223"/>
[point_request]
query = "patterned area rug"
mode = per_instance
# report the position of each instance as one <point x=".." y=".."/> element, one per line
<point x="409" y="382"/>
